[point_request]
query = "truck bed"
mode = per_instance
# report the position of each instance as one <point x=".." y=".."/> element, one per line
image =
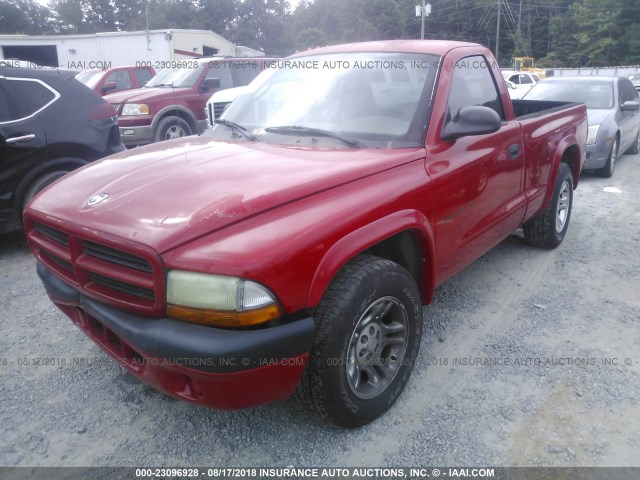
<point x="535" y="108"/>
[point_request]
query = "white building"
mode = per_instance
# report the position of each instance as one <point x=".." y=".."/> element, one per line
<point x="113" y="49"/>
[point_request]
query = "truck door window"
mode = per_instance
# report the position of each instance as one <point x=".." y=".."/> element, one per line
<point x="223" y="72"/>
<point x="473" y="85"/>
<point x="120" y="78"/>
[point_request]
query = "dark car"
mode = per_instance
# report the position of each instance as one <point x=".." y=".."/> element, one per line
<point x="612" y="108"/>
<point x="117" y="79"/>
<point x="50" y="124"/>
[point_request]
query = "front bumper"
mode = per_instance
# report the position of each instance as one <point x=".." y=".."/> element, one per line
<point x="597" y="154"/>
<point x="136" y="135"/>
<point x="217" y="368"/>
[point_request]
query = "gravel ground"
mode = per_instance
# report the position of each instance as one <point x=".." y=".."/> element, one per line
<point x="522" y="364"/>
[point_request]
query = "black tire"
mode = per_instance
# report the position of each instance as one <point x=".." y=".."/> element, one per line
<point x="607" y="170"/>
<point x="171" y="127"/>
<point x="548" y="228"/>
<point x="384" y="341"/>
<point x="39" y="184"/>
<point x="635" y="147"/>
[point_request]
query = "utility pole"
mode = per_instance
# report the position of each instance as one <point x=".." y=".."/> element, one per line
<point x="423" y="11"/>
<point x="498" y="35"/>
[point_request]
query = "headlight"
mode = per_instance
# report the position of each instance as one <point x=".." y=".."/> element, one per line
<point x="135" y="109"/>
<point x="219" y="300"/>
<point x="592" y="133"/>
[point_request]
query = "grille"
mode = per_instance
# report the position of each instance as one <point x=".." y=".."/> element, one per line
<point x="118" y="257"/>
<point x="123" y="287"/>
<point x="218" y="108"/>
<point x="58" y="261"/>
<point x="53" y="234"/>
<point x="131" y="279"/>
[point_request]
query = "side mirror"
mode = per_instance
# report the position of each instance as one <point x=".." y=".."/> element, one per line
<point x="472" y="121"/>
<point x="630" y="105"/>
<point x="209" y="84"/>
<point x="107" y="87"/>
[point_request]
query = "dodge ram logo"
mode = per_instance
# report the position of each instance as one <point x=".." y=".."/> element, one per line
<point x="97" y="198"/>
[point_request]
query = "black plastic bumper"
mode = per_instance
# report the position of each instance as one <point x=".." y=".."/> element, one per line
<point x="173" y="340"/>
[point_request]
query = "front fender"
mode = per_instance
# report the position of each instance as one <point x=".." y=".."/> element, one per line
<point x="359" y="240"/>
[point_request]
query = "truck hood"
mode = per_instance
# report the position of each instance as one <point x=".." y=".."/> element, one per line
<point x="168" y="193"/>
<point x="142" y="95"/>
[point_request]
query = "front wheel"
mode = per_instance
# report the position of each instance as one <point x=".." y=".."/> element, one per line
<point x="171" y="127"/>
<point x="548" y="228"/>
<point x="607" y="170"/>
<point x="368" y="337"/>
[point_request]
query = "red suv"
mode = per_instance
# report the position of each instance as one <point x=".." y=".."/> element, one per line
<point x="117" y="79"/>
<point x="172" y="104"/>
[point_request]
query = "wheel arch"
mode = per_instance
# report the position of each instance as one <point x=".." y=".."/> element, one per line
<point x="175" y="111"/>
<point x="567" y="152"/>
<point x="403" y="237"/>
<point x="61" y="163"/>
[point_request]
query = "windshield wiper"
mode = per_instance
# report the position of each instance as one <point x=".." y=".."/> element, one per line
<point x="310" y="131"/>
<point x="237" y="128"/>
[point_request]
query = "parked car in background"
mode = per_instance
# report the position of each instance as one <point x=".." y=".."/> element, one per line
<point x="50" y="124"/>
<point x="118" y="79"/>
<point x="612" y="109"/>
<point x="172" y="104"/>
<point x="517" y="91"/>
<point x="220" y="100"/>
<point x="521" y="78"/>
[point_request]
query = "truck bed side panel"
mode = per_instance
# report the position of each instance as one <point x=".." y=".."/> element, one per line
<point x="546" y="136"/>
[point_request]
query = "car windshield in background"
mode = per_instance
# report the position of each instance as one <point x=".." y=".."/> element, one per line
<point x="348" y="99"/>
<point x="176" y="77"/>
<point x="595" y="94"/>
<point x="90" y="77"/>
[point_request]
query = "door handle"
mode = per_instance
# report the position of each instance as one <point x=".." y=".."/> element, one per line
<point x="514" y="151"/>
<point x="20" y="139"/>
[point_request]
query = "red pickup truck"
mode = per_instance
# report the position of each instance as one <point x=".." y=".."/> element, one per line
<point x="291" y="247"/>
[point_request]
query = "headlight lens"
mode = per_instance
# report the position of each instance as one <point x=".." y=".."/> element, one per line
<point x="219" y="300"/>
<point x="592" y="134"/>
<point x="135" y="109"/>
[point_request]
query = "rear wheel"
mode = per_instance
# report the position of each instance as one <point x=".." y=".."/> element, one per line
<point x="171" y="127"/>
<point x="368" y="337"/>
<point x="607" y="170"/>
<point x="548" y="228"/>
<point x="40" y="184"/>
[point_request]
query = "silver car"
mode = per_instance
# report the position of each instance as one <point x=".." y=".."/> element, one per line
<point x="612" y="109"/>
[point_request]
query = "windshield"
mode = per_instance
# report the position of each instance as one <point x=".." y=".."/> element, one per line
<point x="595" y="94"/>
<point x="176" y="77"/>
<point x="369" y="99"/>
<point x="90" y="78"/>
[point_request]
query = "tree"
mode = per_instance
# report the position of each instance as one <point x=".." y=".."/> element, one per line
<point x="260" y="24"/>
<point x="25" y="17"/>
<point x="595" y="21"/>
